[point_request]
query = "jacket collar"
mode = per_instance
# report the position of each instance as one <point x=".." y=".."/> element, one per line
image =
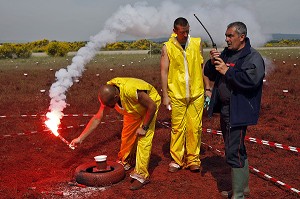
<point x="174" y="40"/>
<point x="244" y="51"/>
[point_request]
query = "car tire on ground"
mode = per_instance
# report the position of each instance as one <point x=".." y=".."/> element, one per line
<point x="84" y="174"/>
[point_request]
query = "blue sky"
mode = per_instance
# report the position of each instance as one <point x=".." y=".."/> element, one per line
<point x="77" y="20"/>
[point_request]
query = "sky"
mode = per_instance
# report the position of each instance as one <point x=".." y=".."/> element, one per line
<point x="79" y="20"/>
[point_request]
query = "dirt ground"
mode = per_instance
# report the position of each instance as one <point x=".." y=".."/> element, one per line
<point x="36" y="164"/>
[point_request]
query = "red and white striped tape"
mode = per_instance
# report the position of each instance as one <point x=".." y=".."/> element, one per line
<point x="251" y="139"/>
<point x="47" y="130"/>
<point x="221" y="153"/>
<point x="35" y="132"/>
<point x="167" y="124"/>
<point x="79" y="115"/>
<point x="216" y="132"/>
<point x="268" y="177"/>
<point x="17" y="134"/>
<point x="272" y="179"/>
<point x="260" y="173"/>
<point x="273" y="144"/>
<point x="259" y="141"/>
<point x="43" y="115"/>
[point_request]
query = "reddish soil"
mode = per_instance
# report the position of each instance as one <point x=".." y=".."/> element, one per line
<point x="40" y="165"/>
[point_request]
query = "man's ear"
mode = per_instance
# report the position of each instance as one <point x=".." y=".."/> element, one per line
<point x="116" y="98"/>
<point x="243" y="36"/>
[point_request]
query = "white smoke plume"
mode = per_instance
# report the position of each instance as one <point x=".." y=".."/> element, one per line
<point x="144" y="21"/>
<point x="66" y="77"/>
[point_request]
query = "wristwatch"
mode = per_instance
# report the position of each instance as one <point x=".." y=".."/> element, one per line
<point x="145" y="128"/>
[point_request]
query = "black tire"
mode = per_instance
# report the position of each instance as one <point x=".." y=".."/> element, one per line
<point x="84" y="174"/>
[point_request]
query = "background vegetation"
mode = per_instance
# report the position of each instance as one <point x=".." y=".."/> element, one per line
<point x="61" y="48"/>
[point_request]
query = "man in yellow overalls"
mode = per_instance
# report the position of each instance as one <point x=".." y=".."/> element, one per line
<point x="183" y="93"/>
<point x="138" y="102"/>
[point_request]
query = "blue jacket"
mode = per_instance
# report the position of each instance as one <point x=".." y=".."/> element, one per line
<point x="245" y="80"/>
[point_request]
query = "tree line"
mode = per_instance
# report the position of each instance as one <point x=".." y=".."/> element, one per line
<point x="61" y="48"/>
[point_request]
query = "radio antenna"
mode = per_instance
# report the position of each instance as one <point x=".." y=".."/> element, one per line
<point x="212" y="41"/>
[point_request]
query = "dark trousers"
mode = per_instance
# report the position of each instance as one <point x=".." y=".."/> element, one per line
<point x="235" y="150"/>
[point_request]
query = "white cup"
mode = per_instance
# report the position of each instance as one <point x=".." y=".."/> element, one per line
<point x="101" y="162"/>
<point x="100" y="158"/>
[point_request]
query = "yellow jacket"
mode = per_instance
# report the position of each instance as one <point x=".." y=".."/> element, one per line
<point x="185" y="80"/>
<point x="128" y="94"/>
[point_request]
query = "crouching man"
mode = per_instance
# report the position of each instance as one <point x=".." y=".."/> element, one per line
<point x="138" y="102"/>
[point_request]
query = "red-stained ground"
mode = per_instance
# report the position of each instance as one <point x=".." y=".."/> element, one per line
<point x="39" y="165"/>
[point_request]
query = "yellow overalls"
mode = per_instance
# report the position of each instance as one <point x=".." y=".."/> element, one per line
<point x="186" y="91"/>
<point x="134" y="114"/>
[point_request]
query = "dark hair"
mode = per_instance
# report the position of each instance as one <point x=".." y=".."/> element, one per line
<point x="240" y="27"/>
<point x="181" y="22"/>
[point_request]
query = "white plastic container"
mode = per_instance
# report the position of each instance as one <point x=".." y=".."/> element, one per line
<point x="100" y="158"/>
<point x="101" y="162"/>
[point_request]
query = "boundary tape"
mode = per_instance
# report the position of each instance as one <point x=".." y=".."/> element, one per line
<point x="43" y="115"/>
<point x="254" y="170"/>
<point x="166" y="124"/>
<point x="260" y="173"/>
<point x="47" y="130"/>
<point x="36" y="132"/>
<point x="251" y="139"/>
<point x="259" y="141"/>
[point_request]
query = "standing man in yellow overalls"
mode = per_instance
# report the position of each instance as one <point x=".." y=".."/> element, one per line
<point x="183" y="93"/>
<point x="138" y="102"/>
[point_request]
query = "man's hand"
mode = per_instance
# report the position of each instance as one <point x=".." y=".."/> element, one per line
<point x="167" y="102"/>
<point x="214" y="54"/>
<point x="208" y="93"/>
<point x="75" y="142"/>
<point x="140" y="131"/>
<point x="221" y="67"/>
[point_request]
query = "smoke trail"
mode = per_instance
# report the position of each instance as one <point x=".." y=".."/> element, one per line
<point x="66" y="77"/>
<point x="137" y="19"/>
<point x="270" y="67"/>
<point x="123" y="20"/>
<point x="141" y="20"/>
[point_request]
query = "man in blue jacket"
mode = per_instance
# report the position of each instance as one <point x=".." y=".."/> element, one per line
<point x="237" y="74"/>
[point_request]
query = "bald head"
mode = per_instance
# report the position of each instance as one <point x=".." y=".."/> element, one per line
<point x="108" y="95"/>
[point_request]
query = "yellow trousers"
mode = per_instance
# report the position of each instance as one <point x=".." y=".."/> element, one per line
<point x="186" y="131"/>
<point x="132" y="143"/>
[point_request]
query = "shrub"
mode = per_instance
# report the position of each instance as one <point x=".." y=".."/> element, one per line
<point x="6" y="51"/>
<point x="268" y="45"/>
<point x="75" y="46"/>
<point x="205" y="44"/>
<point x="57" y="49"/>
<point x="22" y="51"/>
<point x="39" y="45"/>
